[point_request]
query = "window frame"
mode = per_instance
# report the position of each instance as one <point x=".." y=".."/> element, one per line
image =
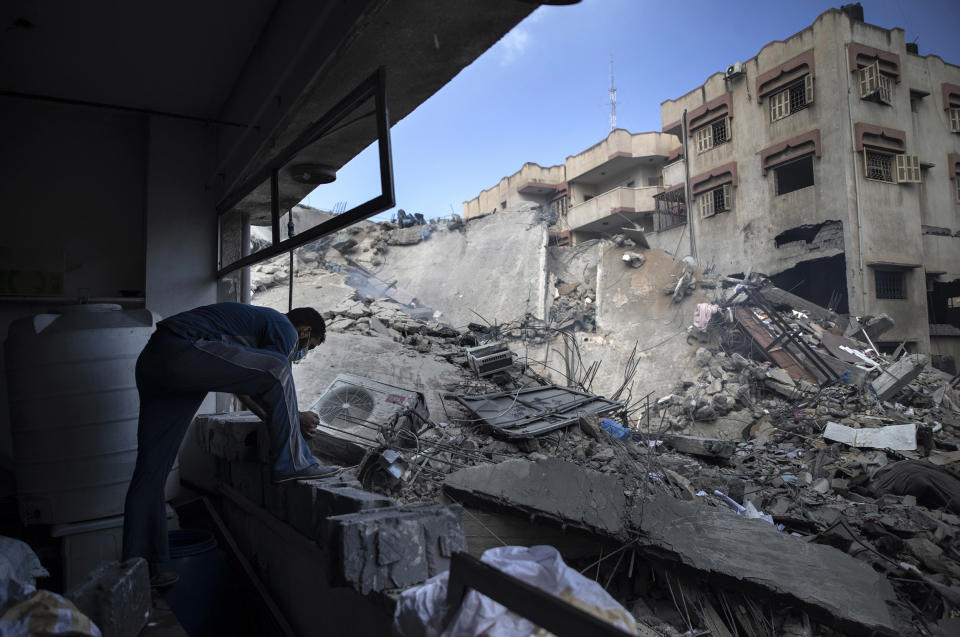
<point x="705" y="137"/>
<point x="707" y="204"/>
<point x="904" y="167"/>
<point x="780" y="103"/>
<point x="776" y="179"/>
<point x="874" y="84"/>
<point x="866" y="165"/>
<point x="373" y="87"/>
<point x="908" y="169"/>
<point x="887" y="287"/>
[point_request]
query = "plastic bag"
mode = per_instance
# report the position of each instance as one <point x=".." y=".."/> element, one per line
<point x="421" y="610"/>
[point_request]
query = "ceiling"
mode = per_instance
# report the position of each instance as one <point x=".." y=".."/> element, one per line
<point x="175" y="56"/>
<point x="265" y="70"/>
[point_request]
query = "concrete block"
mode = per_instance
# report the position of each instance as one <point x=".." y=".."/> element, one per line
<point x="709" y="447"/>
<point x="897" y="376"/>
<point x="231" y="436"/>
<point x="274" y="495"/>
<point x="395" y="547"/>
<point x="311" y="502"/>
<point x="116" y="597"/>
<point x="246" y="476"/>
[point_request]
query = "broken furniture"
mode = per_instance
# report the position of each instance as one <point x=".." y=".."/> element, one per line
<point x="779" y="343"/>
<point x="531" y="411"/>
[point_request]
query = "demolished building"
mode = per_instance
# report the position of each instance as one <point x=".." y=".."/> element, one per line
<point x="718" y="455"/>
<point x="830" y="156"/>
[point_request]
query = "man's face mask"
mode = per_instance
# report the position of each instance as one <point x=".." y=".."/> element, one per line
<point x="303" y="347"/>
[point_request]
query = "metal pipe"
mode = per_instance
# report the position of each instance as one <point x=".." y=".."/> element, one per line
<point x="686" y="186"/>
<point x="856" y="186"/>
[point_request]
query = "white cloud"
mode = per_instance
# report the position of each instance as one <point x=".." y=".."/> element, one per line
<point x="514" y="44"/>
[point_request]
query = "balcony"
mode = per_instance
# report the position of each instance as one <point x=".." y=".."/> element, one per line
<point x="629" y="202"/>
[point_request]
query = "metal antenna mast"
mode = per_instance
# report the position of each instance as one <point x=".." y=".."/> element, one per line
<point x="613" y="99"/>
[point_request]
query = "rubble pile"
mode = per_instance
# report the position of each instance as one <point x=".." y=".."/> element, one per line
<point x="782" y="441"/>
<point x="794" y="480"/>
<point x="574" y="307"/>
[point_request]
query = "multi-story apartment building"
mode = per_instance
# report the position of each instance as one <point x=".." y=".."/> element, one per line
<point x="829" y="161"/>
<point x="593" y="193"/>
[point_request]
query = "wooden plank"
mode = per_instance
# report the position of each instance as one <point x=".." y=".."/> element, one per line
<point x="762" y="337"/>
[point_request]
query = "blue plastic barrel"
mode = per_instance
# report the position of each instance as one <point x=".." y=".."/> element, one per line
<point x="196" y="599"/>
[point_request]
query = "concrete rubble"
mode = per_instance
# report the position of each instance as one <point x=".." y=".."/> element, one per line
<point x="116" y="597"/>
<point x="719" y="501"/>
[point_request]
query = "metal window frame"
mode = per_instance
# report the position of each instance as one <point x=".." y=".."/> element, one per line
<point x="890" y="157"/>
<point x="374" y="86"/>
<point x="894" y="275"/>
<point x="721" y="124"/>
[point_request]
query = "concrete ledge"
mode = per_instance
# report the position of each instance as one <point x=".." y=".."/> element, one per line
<point x="361" y="540"/>
<point x="311" y="502"/>
<point x="231" y="436"/>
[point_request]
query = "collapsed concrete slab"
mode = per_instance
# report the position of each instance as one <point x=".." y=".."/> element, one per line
<point x="704" y="447"/>
<point x="551" y="488"/>
<point x="832" y="585"/>
<point x="898" y="376"/>
<point x="716" y="543"/>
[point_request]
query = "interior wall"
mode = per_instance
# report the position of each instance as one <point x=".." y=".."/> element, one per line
<point x="73" y="188"/>
<point x="181" y="241"/>
<point x="72" y="196"/>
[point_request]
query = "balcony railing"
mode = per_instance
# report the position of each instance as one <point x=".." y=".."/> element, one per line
<point x="621" y="199"/>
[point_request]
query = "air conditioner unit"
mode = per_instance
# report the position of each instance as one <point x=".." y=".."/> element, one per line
<point x="489" y="359"/>
<point x="360" y="414"/>
<point x="734" y="70"/>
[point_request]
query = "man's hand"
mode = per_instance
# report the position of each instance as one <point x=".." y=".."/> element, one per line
<point x="308" y="423"/>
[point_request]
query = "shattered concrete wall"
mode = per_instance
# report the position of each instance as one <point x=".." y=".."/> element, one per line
<point x="495" y="267"/>
<point x="631" y="309"/>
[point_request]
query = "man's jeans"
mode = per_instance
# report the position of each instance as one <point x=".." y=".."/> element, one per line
<point x="173" y="377"/>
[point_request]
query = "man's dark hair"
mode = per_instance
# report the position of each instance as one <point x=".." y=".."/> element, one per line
<point x="309" y="317"/>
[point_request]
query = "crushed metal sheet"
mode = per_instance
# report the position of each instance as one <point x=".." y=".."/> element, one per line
<point x="523" y="413"/>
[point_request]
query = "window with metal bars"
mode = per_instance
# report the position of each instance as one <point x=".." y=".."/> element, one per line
<point x="720" y="131"/>
<point x="793" y="98"/>
<point x="890" y="284"/>
<point x="878" y="166"/>
<point x="671" y="209"/>
<point x="559" y="206"/>
<point x="713" y="134"/>
<point x="713" y="201"/>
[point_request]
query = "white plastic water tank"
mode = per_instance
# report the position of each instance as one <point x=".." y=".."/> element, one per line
<point x="74" y="410"/>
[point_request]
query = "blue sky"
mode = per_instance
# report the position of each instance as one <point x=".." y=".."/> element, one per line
<point x="541" y="93"/>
